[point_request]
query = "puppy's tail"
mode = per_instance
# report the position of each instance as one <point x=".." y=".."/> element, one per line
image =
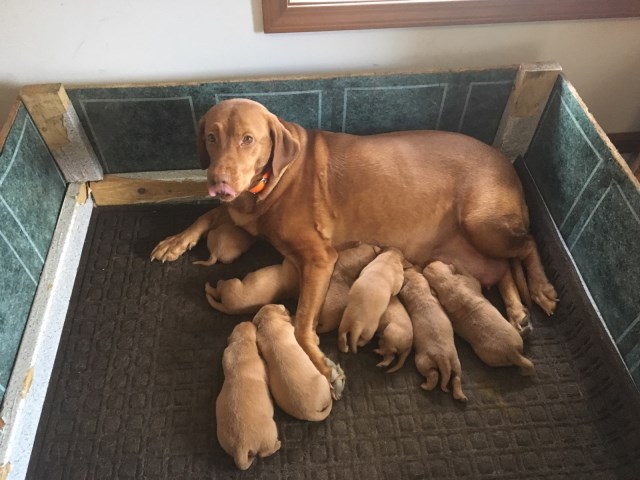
<point x="521" y="281"/>
<point x="526" y="366"/>
<point x="217" y="305"/>
<point x="244" y="459"/>
<point x="355" y="334"/>
<point x="401" y="360"/>
<point x="445" y="372"/>
<point x="207" y="263"/>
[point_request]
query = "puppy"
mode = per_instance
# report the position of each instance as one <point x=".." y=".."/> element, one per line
<point x="244" y="412"/>
<point x="226" y="243"/>
<point x="266" y="285"/>
<point x="492" y="337"/>
<point x="396" y="335"/>
<point x="369" y="297"/>
<point x="350" y="263"/>
<point x="436" y="353"/>
<point x="296" y="384"/>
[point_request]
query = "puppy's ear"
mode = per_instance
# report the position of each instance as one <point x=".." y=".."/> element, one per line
<point x="285" y="146"/>
<point x="201" y="146"/>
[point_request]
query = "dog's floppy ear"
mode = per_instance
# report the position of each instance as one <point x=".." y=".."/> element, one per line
<point x="285" y="146"/>
<point x="201" y="146"/>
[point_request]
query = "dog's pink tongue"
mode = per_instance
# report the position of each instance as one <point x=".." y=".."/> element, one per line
<point x="221" y="189"/>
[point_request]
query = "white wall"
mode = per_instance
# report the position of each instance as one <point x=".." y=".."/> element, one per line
<point x="106" y="41"/>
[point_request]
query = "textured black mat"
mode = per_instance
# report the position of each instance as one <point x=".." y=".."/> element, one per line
<point x="133" y="389"/>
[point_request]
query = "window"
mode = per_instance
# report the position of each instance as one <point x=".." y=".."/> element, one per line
<point x="307" y="15"/>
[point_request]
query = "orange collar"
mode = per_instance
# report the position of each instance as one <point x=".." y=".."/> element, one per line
<point x="261" y="183"/>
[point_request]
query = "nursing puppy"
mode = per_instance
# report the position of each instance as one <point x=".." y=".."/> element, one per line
<point x="396" y="335"/>
<point x="492" y="337"/>
<point x="226" y="243"/>
<point x="267" y="285"/>
<point x="369" y="297"/>
<point x="296" y="384"/>
<point x="244" y="412"/>
<point x="350" y="263"/>
<point x="436" y="353"/>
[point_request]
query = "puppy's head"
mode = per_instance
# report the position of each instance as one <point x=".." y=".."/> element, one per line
<point x="243" y="331"/>
<point x="271" y="312"/>
<point x="438" y="270"/>
<point x="238" y="140"/>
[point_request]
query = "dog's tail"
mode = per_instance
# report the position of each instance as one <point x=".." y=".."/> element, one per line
<point x="445" y="371"/>
<point x="521" y="281"/>
<point x="244" y="459"/>
<point x="401" y="359"/>
<point x="355" y="334"/>
<point x="217" y="305"/>
<point x="207" y="263"/>
<point x="526" y="366"/>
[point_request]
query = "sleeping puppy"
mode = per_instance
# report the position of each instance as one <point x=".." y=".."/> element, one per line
<point x="492" y="337"/>
<point x="296" y="384"/>
<point x="226" y="243"/>
<point x="396" y="335"/>
<point x="369" y="297"/>
<point x="436" y="353"/>
<point x="350" y="263"/>
<point x="244" y="412"/>
<point x="266" y="285"/>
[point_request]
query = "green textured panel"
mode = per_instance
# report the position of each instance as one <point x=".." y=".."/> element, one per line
<point x="597" y="208"/>
<point x="563" y="153"/>
<point x="160" y="131"/>
<point x="607" y="251"/>
<point x="31" y="193"/>
<point x="18" y="288"/>
<point x="153" y="128"/>
<point x="385" y="109"/>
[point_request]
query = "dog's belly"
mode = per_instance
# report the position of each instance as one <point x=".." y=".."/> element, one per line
<point x="422" y="243"/>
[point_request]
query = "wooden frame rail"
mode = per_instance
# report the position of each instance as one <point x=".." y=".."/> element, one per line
<point x="304" y="16"/>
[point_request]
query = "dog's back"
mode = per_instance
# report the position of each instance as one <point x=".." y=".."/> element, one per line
<point x="296" y="384"/>
<point x="244" y="412"/>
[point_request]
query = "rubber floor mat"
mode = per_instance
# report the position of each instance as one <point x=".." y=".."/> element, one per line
<point x="139" y="367"/>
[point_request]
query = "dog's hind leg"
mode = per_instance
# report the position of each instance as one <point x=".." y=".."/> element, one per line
<point x="516" y="312"/>
<point x="505" y="236"/>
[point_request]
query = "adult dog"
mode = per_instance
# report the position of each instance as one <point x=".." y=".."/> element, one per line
<point x="433" y="195"/>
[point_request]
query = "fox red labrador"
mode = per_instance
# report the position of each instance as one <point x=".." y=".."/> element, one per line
<point x="434" y="195"/>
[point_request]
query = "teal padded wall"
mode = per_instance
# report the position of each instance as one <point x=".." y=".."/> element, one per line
<point x="596" y="205"/>
<point x="31" y="194"/>
<point x="135" y="129"/>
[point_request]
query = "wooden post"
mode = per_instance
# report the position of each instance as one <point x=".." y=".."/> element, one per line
<point x="531" y="91"/>
<point x="150" y="187"/>
<point x="60" y="127"/>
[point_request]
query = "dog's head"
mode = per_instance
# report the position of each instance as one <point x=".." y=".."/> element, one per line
<point x="271" y="312"/>
<point x="238" y="141"/>
<point x="438" y="270"/>
<point x="243" y="331"/>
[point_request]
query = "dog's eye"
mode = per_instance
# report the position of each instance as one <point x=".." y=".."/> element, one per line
<point x="247" y="139"/>
<point x="211" y="138"/>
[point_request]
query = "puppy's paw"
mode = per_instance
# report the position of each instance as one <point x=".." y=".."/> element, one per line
<point x="338" y="379"/>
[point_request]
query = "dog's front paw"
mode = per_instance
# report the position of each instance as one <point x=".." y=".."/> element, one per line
<point x="338" y="379"/>
<point x="171" y="248"/>
<point x="546" y="297"/>
<point x="522" y="322"/>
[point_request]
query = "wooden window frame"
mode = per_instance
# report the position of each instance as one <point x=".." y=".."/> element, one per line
<point x="282" y="16"/>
